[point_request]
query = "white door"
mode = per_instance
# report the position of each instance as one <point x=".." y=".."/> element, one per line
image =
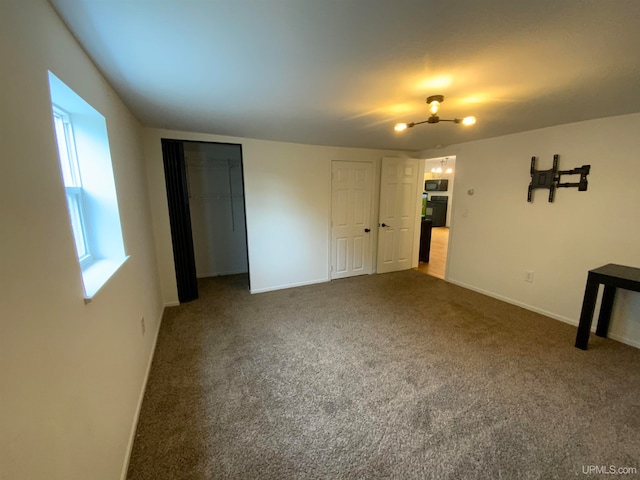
<point x="351" y="185"/>
<point x="398" y="184"/>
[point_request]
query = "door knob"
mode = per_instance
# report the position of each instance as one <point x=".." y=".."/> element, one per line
<point x="384" y="225"/>
<point x="367" y="230"/>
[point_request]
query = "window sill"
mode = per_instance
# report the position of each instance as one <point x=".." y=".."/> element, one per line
<point x="96" y="275"/>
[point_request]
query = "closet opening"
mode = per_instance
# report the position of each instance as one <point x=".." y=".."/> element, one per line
<point x="205" y="190"/>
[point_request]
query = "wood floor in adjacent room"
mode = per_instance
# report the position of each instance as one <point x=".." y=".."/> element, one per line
<point x="438" y="255"/>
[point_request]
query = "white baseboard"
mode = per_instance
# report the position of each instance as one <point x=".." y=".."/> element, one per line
<point x="136" y="416"/>
<point x="546" y="313"/>
<point x="623" y="339"/>
<point x="171" y="304"/>
<point x="289" y="285"/>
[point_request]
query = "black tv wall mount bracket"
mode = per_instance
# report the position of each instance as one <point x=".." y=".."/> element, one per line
<point x="551" y="178"/>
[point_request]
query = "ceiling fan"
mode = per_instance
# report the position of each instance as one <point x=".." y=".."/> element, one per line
<point x="434" y="102"/>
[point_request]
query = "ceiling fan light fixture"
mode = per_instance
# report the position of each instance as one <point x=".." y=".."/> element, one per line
<point x="434" y="102"/>
<point x="400" y="127"/>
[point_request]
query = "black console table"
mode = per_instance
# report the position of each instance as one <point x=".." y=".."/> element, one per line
<point x="425" y="240"/>
<point x="611" y="276"/>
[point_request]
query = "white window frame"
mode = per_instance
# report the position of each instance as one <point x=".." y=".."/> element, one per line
<point x="72" y="180"/>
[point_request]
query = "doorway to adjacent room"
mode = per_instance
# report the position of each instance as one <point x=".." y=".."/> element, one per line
<point x="436" y="215"/>
<point x="436" y="266"/>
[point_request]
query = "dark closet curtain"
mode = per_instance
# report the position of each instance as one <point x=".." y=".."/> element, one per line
<point x="178" y="198"/>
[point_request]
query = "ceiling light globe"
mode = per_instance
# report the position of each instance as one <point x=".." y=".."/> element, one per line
<point x="469" y="120"/>
<point x="400" y="127"/>
<point x="434" y="107"/>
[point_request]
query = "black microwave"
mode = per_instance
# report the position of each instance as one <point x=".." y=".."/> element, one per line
<point x="441" y="185"/>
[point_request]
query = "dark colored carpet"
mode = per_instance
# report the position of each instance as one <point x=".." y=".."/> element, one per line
<point x="399" y="376"/>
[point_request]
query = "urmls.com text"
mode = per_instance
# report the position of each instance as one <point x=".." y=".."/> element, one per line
<point x="608" y="470"/>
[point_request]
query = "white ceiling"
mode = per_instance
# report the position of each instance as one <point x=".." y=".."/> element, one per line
<point x="343" y="72"/>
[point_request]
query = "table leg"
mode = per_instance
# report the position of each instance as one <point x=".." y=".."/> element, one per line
<point x="605" y="311"/>
<point x="586" y="315"/>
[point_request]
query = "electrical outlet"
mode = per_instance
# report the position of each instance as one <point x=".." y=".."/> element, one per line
<point x="528" y="276"/>
<point x="142" y="326"/>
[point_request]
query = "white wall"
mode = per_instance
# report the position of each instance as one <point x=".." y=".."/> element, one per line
<point x="288" y="203"/>
<point x="496" y="234"/>
<point x="71" y="374"/>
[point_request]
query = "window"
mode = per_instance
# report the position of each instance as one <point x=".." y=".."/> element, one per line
<point x="72" y="182"/>
<point x="87" y="177"/>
